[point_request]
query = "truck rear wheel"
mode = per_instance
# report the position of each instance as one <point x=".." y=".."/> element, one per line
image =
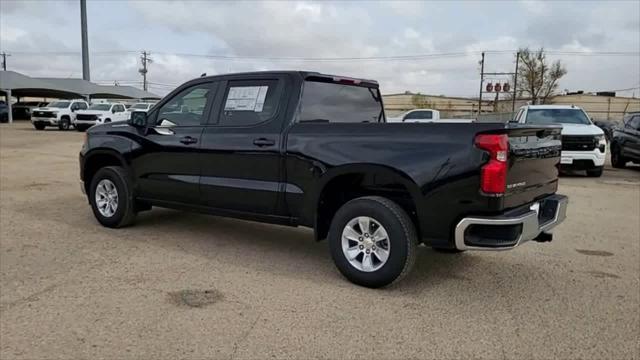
<point x="373" y="241"/>
<point x="38" y="126"/>
<point x="111" y="197"/>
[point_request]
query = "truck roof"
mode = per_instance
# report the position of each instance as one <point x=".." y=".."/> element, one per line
<point x="305" y="75"/>
<point x="552" y="107"/>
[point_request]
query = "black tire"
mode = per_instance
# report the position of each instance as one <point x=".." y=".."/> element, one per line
<point x="125" y="212"/>
<point x="595" y="172"/>
<point x="64" y="124"/>
<point x="80" y="128"/>
<point x="617" y="160"/>
<point x="39" y="126"/>
<point x="401" y="236"/>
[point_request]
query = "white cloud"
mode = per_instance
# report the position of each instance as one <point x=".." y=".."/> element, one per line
<point x="325" y="29"/>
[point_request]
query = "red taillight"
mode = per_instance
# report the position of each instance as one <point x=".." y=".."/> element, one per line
<point x="493" y="177"/>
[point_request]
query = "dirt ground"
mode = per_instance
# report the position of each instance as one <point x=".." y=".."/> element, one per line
<point x="182" y="285"/>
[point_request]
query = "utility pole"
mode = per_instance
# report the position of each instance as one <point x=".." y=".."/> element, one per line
<point x="481" y="81"/>
<point x="85" y="40"/>
<point x="145" y="60"/>
<point x="515" y="84"/>
<point x="4" y="60"/>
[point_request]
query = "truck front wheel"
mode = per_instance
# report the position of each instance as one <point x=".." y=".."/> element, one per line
<point x="595" y="172"/>
<point x="64" y="123"/>
<point x="373" y="241"/>
<point x="111" y="197"/>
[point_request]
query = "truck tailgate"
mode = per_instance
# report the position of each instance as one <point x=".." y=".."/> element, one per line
<point x="534" y="155"/>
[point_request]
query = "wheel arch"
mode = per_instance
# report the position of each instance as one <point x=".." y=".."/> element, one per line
<point x="342" y="184"/>
<point x="96" y="159"/>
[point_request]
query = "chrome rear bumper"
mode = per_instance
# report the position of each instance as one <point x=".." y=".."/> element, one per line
<point x="509" y="231"/>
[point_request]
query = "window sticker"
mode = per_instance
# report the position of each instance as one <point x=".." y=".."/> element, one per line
<point x="246" y="98"/>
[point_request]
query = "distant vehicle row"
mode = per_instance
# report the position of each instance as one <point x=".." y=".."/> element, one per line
<point x="79" y="114"/>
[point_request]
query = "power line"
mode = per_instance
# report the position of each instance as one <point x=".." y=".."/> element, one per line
<point x="347" y="58"/>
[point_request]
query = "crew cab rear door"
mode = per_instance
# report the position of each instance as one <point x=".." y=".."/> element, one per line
<point x="242" y="145"/>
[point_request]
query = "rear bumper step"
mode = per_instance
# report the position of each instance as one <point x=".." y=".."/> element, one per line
<point x="507" y="231"/>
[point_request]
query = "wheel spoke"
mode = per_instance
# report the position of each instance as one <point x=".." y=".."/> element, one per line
<point x="353" y="253"/>
<point x="350" y="233"/>
<point x="364" y="223"/>
<point x="379" y="234"/>
<point x="382" y="254"/>
<point x="367" y="262"/>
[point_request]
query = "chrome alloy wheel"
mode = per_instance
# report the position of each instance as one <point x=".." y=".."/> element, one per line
<point x="365" y="244"/>
<point x="106" y="198"/>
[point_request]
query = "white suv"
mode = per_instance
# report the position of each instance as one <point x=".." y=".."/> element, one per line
<point x="99" y="114"/>
<point x="583" y="144"/>
<point x="61" y="113"/>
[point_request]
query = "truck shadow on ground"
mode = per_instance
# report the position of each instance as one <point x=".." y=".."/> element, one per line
<point x="293" y="253"/>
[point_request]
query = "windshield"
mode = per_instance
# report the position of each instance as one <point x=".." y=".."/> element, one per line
<point x="100" y="107"/>
<point x="140" y="106"/>
<point x="59" y="104"/>
<point x="557" y="116"/>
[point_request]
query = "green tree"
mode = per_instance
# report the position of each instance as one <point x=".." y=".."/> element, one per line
<point x="537" y="78"/>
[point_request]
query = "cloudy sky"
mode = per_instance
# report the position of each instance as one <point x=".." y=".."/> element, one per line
<point x="187" y="39"/>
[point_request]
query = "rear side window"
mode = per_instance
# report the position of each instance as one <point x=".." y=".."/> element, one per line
<point x="339" y="103"/>
<point x="250" y="102"/>
<point x="419" y="115"/>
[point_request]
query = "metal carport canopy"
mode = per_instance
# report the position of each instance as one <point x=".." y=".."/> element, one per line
<point x="22" y="85"/>
<point x="87" y="88"/>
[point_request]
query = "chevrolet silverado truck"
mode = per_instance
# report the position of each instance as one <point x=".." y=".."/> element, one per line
<point x="584" y="145"/>
<point x="58" y="113"/>
<point x="100" y="113"/>
<point x="307" y="149"/>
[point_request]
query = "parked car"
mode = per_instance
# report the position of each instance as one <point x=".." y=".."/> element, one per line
<point x="4" y="112"/>
<point x="307" y="149"/>
<point x="60" y="113"/>
<point x="583" y="144"/>
<point x="23" y="110"/>
<point x="141" y="107"/>
<point x="100" y="113"/>
<point x="424" y="116"/>
<point x="625" y="143"/>
<point x="607" y="127"/>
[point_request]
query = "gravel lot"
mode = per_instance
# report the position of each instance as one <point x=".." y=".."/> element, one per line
<point x="182" y="285"/>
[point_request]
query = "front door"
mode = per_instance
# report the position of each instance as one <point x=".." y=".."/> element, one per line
<point x="242" y="146"/>
<point x="167" y="164"/>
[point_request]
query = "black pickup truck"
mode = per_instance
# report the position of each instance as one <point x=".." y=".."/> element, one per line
<point x="625" y="141"/>
<point x="307" y="149"/>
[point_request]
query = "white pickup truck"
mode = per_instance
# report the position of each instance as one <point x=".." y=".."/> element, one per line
<point x="584" y="146"/>
<point x="423" y="116"/>
<point x="100" y="114"/>
<point x="60" y="113"/>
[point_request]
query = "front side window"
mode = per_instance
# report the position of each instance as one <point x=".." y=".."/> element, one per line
<point x="119" y="108"/>
<point x="634" y="123"/>
<point x="82" y="106"/>
<point x="557" y="116"/>
<point x="419" y="115"/>
<point x="60" y="104"/>
<point x="249" y="102"/>
<point x="339" y="103"/>
<point x="187" y="107"/>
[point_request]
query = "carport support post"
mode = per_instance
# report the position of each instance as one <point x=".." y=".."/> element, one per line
<point x="9" y="107"/>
